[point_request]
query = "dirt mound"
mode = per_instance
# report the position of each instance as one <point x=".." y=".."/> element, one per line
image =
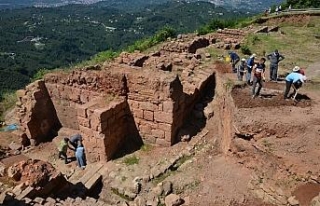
<point x="223" y="67"/>
<point x="305" y="193"/>
<point x="296" y="20"/>
<point x="32" y="172"/>
<point x="243" y="99"/>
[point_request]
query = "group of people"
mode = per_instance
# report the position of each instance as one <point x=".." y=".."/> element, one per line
<point x="77" y="146"/>
<point x="254" y="71"/>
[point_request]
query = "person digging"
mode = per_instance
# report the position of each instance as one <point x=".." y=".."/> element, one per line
<point x="63" y="148"/>
<point x="296" y="79"/>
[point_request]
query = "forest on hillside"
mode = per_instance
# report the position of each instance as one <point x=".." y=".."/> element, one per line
<point x="37" y="38"/>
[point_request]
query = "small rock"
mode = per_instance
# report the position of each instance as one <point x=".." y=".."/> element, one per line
<point x="167" y="187"/>
<point x="140" y="201"/>
<point x="207" y="55"/>
<point x="173" y="200"/>
<point x="15" y="146"/>
<point x="293" y="201"/>
<point x="130" y="195"/>
<point x="38" y="200"/>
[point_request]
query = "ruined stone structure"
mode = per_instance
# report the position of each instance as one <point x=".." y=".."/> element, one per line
<point x="136" y="98"/>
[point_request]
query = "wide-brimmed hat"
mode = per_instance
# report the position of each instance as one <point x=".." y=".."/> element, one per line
<point x="253" y="55"/>
<point x="296" y="68"/>
<point x="243" y="59"/>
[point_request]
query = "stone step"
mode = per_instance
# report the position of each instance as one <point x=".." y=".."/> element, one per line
<point x="88" y="177"/>
<point x="25" y="193"/>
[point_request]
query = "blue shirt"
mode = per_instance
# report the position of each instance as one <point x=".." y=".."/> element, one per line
<point x="234" y="56"/>
<point x="294" y="77"/>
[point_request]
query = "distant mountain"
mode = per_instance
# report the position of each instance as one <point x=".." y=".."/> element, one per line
<point x="34" y="38"/>
<point x="131" y="5"/>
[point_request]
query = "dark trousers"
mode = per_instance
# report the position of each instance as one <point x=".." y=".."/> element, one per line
<point x="234" y="63"/>
<point x="273" y="72"/>
<point x="63" y="155"/>
<point x="240" y="75"/>
<point x="255" y="82"/>
<point x="297" y="85"/>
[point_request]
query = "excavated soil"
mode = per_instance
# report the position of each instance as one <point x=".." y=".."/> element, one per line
<point x="270" y="97"/>
<point x="305" y="193"/>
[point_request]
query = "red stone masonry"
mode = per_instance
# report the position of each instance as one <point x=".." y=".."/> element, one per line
<point x="145" y="95"/>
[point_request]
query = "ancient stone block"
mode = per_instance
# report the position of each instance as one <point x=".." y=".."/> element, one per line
<point x="146" y="106"/>
<point x="148" y="115"/>
<point x="137" y="113"/>
<point x="84" y="122"/>
<point x="163" y="117"/>
<point x="168" y="106"/>
<point x="158" y="133"/>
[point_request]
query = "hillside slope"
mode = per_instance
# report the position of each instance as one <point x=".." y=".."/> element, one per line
<point x="59" y="37"/>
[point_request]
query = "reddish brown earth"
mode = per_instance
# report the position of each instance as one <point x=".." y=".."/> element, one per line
<point x="242" y="97"/>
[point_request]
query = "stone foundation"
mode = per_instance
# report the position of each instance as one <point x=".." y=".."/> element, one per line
<point x="146" y="97"/>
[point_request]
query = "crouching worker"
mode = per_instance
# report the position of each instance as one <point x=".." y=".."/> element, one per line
<point x="258" y="77"/>
<point x="74" y="140"/>
<point x="63" y="147"/>
<point x="80" y="155"/>
<point x="296" y="79"/>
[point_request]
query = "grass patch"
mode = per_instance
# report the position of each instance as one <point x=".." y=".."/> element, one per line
<point x="229" y="84"/>
<point x="116" y="192"/>
<point x="132" y="160"/>
<point x="162" y="177"/>
<point x="182" y="160"/>
<point x="8" y="101"/>
<point x="146" y="148"/>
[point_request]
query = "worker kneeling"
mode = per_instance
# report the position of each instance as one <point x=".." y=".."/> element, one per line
<point x="296" y="79"/>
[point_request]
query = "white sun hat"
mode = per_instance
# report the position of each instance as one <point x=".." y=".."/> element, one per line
<point x="296" y="68"/>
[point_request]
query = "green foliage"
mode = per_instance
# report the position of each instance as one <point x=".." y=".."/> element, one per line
<point x="146" y="147"/>
<point x="303" y="3"/>
<point x="245" y="50"/>
<point x="104" y="56"/>
<point x="131" y="160"/>
<point x="40" y="74"/>
<point x="215" y="24"/>
<point x="255" y="39"/>
<point x="160" y="36"/>
<point x="7" y="101"/>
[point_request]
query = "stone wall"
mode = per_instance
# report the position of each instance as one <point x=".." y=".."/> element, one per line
<point x="137" y="97"/>
<point x="152" y="105"/>
<point x="67" y="91"/>
<point x="103" y="125"/>
<point x="37" y="114"/>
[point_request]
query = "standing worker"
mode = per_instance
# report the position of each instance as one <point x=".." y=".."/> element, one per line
<point x="274" y="59"/>
<point x="234" y="57"/>
<point x="250" y="63"/>
<point x="80" y="156"/>
<point x="241" y="69"/>
<point x="258" y="77"/>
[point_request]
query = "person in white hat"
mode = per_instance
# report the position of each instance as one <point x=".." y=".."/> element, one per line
<point x="241" y="69"/>
<point x="295" y="78"/>
<point x="250" y="64"/>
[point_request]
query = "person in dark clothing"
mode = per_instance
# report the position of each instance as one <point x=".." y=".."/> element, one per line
<point x="258" y="77"/>
<point x="234" y="57"/>
<point x="274" y="59"/>
<point x="250" y="64"/>
<point x="74" y="140"/>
